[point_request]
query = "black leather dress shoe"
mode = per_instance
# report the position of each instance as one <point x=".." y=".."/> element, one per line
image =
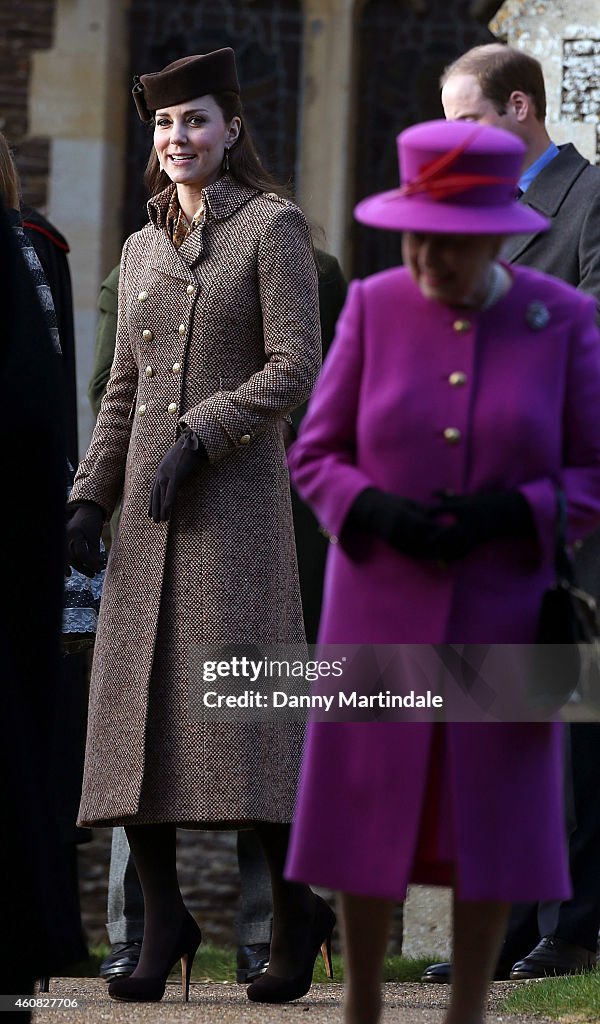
<point x="552" y="957"/>
<point x="121" y="961"/>
<point x="252" y="961"/>
<point x="442" y="973"/>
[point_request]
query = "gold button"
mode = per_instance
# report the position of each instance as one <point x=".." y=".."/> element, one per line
<point x="147" y="335"/>
<point x="452" y="435"/>
<point x="181" y="330"/>
<point x="245" y="439"/>
<point x="143" y="296"/>
<point x="149" y="371"/>
<point x="141" y="410"/>
<point x="176" y="368"/>
<point x="172" y="408"/>
<point x="190" y="289"/>
<point x="457" y="379"/>
<point x="460" y="326"/>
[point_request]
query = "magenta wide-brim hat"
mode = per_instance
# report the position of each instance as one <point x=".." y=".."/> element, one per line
<point x="455" y="177"/>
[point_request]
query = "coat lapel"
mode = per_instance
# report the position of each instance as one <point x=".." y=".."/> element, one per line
<point x="546" y="195"/>
<point x="222" y="199"/>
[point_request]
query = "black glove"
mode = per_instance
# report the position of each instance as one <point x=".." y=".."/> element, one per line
<point x="479" y="518"/>
<point x="407" y="525"/>
<point x="181" y="459"/>
<point x="84" y="528"/>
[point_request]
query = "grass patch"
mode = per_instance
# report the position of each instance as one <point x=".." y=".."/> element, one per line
<point x="217" y="964"/>
<point x="572" y="1000"/>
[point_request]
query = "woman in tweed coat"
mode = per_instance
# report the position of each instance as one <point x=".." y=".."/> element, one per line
<point x="218" y="339"/>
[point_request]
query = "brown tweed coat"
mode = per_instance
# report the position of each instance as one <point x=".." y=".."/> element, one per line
<point x="221" y="335"/>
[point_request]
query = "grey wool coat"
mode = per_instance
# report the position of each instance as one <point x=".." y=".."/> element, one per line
<point x="221" y="335"/>
<point x="567" y="190"/>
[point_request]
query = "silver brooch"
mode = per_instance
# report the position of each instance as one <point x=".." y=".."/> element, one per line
<point x="538" y="316"/>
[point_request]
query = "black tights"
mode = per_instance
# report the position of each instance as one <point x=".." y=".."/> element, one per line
<point x="293" y="904"/>
<point x="154" y="853"/>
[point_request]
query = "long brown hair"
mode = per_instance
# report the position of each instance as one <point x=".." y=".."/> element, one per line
<point x="245" y="164"/>
<point x="9" y="178"/>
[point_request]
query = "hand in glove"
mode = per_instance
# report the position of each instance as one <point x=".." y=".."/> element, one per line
<point x="181" y="459"/>
<point x="407" y="525"/>
<point x="84" y="528"/>
<point x="478" y="518"/>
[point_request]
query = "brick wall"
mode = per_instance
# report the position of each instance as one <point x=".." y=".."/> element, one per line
<point x="25" y="26"/>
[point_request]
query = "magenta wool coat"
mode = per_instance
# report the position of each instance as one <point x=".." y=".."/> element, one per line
<point x="417" y="397"/>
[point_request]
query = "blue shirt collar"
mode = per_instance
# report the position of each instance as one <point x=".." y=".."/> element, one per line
<point x="537" y="166"/>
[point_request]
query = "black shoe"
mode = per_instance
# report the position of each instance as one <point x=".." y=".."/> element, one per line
<point x="252" y="961"/>
<point x="271" y="989"/>
<point x="121" y="961"/>
<point x="552" y="957"/>
<point x="151" y="990"/>
<point x="442" y="973"/>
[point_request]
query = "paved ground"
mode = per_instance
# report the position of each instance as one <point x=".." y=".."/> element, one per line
<point x="227" y="1004"/>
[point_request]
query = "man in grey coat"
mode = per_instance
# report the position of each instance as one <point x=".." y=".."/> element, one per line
<point x="497" y="85"/>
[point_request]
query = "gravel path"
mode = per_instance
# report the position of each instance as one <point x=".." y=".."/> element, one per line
<point x="227" y="1004"/>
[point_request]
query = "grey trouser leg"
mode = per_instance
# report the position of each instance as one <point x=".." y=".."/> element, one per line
<point x="125" y="900"/>
<point x="254" y="917"/>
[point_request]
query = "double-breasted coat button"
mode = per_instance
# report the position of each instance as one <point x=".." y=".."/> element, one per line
<point x="457" y="379"/>
<point x="147" y="334"/>
<point x="245" y="439"/>
<point x="143" y="296"/>
<point x="172" y="408"/>
<point x="176" y="368"/>
<point x="452" y="435"/>
<point x="149" y="371"/>
<point x="141" y="410"/>
<point x="190" y="289"/>
<point x="181" y="330"/>
<point x="461" y="326"/>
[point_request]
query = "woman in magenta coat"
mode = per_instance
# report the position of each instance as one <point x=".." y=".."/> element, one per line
<point x="459" y="392"/>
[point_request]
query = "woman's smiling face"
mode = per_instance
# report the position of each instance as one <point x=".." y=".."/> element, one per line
<point x="450" y="268"/>
<point x="190" y="140"/>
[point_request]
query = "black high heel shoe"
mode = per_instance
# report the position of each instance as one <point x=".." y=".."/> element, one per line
<point x="270" y="989"/>
<point x="151" y="990"/>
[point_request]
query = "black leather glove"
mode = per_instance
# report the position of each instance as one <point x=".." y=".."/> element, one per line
<point x="181" y="459"/>
<point x="85" y="520"/>
<point x="407" y="525"/>
<point x="479" y="518"/>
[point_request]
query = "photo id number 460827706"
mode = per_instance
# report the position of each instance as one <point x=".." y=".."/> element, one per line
<point x="37" y="1003"/>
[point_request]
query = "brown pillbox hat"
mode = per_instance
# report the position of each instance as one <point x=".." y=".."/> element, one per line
<point x="202" y="74"/>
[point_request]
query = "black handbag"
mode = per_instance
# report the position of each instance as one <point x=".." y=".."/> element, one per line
<point x="565" y="677"/>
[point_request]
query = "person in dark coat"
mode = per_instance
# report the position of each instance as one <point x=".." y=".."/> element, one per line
<point x="68" y="729"/>
<point x="494" y="84"/>
<point x="35" y="894"/>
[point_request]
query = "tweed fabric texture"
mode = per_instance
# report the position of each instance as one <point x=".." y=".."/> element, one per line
<point x="221" y="335"/>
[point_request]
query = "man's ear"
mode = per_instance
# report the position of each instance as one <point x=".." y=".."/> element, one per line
<point x="520" y="103"/>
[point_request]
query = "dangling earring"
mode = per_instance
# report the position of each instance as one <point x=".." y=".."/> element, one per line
<point x="226" y="160"/>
